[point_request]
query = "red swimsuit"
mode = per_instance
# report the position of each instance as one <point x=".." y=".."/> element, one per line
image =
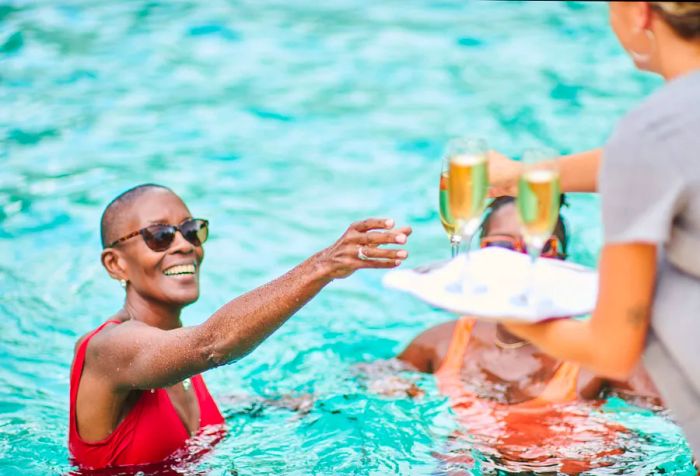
<point x="151" y="432"/>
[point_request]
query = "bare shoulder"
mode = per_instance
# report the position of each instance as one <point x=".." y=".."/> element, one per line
<point x="435" y="335"/>
<point x="426" y="351"/>
<point x="108" y="338"/>
<point x="78" y="342"/>
<point x="115" y="334"/>
<point x="82" y="338"/>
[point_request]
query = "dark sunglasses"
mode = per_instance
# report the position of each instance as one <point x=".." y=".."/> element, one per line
<point x="551" y="248"/>
<point x="159" y="237"/>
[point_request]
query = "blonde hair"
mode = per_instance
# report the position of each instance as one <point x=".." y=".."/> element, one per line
<point x="682" y="17"/>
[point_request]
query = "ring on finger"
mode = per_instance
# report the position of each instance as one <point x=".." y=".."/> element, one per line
<point x="361" y="254"/>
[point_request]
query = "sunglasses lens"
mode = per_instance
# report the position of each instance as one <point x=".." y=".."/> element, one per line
<point x="509" y="245"/>
<point x="195" y="231"/>
<point x="158" y="237"/>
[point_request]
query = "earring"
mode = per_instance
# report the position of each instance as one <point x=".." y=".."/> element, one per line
<point x="644" y="57"/>
<point x="123" y="283"/>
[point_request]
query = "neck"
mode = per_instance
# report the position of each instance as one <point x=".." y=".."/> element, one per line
<point x="506" y="337"/>
<point x="150" y="312"/>
<point x="681" y="56"/>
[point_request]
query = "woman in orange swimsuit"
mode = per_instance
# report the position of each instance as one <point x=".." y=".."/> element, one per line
<point x="512" y="401"/>
<point x="136" y="393"/>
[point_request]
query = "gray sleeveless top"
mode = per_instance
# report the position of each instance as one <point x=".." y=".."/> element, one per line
<point x="650" y="191"/>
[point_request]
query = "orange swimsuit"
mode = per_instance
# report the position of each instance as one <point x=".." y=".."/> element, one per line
<point x="548" y="431"/>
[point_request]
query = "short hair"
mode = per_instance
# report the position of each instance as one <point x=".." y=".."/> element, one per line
<point x="560" y="230"/>
<point x="118" y="204"/>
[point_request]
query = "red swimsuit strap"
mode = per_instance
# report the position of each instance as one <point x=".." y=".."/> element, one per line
<point x="78" y="362"/>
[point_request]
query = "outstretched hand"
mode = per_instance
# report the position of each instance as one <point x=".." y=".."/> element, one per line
<point x="503" y="175"/>
<point x="359" y="247"/>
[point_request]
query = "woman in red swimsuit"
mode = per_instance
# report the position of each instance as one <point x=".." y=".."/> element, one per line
<point x="136" y="393"/>
<point x="514" y="403"/>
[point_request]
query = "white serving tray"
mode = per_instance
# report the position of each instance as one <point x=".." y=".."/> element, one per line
<point x="499" y="279"/>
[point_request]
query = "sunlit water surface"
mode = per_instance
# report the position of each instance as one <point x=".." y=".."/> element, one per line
<point x="282" y="122"/>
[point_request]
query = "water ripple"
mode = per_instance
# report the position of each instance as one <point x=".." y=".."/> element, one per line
<point x="282" y="123"/>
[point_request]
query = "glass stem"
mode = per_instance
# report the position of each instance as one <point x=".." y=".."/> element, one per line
<point x="466" y="272"/>
<point x="534" y="253"/>
<point x="455" y="240"/>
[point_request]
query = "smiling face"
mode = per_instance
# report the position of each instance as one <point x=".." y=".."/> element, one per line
<point x="169" y="277"/>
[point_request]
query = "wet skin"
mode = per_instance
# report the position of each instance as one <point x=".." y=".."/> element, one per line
<point x="151" y="349"/>
<point x="157" y="302"/>
<point x="504" y="375"/>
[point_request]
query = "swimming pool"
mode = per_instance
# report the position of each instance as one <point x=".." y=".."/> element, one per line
<point x="281" y="122"/>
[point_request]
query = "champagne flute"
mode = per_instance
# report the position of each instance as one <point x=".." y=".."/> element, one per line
<point x="446" y="218"/>
<point x="539" y="194"/>
<point x="468" y="185"/>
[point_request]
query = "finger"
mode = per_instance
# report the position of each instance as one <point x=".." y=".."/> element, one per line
<point x="406" y="230"/>
<point x="379" y="264"/>
<point x="374" y="238"/>
<point x="383" y="253"/>
<point x="373" y="224"/>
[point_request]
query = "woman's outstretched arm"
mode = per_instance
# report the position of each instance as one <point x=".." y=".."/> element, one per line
<point x="134" y="355"/>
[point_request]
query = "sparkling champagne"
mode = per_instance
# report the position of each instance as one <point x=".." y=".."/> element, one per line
<point x="448" y="222"/>
<point x="468" y="186"/>
<point x="538" y="204"/>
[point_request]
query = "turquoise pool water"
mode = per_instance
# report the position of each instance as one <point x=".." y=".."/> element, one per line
<point x="282" y="122"/>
